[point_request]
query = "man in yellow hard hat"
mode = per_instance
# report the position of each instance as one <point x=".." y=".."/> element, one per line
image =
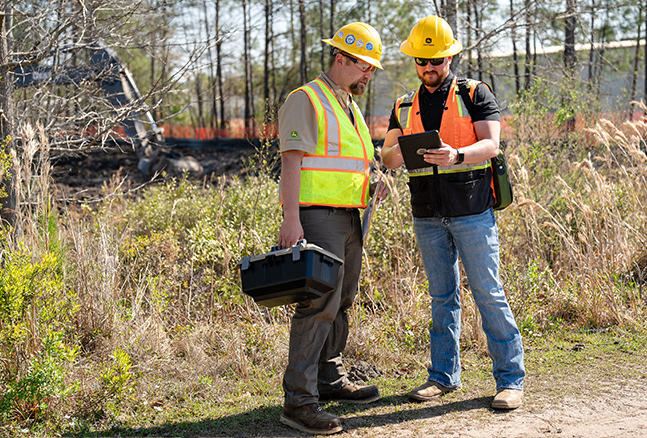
<point x="326" y="154"/>
<point x="451" y="202"/>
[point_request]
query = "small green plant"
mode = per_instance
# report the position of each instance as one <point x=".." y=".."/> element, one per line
<point x="29" y="396"/>
<point x="117" y="383"/>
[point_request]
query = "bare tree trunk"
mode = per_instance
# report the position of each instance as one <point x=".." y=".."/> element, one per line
<point x="198" y="92"/>
<point x="470" y="30"/>
<point x="332" y="18"/>
<point x="592" y="51"/>
<point x="645" y="63"/>
<point x="479" y="52"/>
<point x="321" y="35"/>
<point x="303" y="41"/>
<point x="213" y="120"/>
<point x="597" y="66"/>
<point x="450" y="10"/>
<point x="527" y="63"/>
<point x="634" y="74"/>
<point x="10" y="202"/>
<point x="266" y="62"/>
<point x="368" y="112"/>
<point x="515" y="56"/>
<point x="249" y="100"/>
<point x="223" y="122"/>
<point x="569" y="37"/>
<point x="156" y="111"/>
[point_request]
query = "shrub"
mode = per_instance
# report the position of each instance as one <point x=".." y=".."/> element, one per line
<point x="36" y="317"/>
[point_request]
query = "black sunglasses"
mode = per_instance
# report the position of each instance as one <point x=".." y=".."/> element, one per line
<point x="422" y="62"/>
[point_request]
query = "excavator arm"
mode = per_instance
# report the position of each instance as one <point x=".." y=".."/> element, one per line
<point x="117" y="82"/>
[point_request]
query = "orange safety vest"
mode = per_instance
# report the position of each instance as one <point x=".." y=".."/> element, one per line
<point x="338" y="173"/>
<point x="455" y="190"/>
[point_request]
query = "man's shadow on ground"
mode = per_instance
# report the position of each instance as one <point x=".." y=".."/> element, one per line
<point x="264" y="421"/>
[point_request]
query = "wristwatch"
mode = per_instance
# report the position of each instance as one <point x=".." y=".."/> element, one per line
<point x="460" y="157"/>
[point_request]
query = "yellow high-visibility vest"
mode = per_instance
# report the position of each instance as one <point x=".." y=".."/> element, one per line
<point x="338" y="173"/>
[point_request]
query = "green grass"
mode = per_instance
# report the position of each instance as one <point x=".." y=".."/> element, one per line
<point x="558" y="365"/>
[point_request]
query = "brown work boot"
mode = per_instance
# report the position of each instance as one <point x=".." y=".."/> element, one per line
<point x="351" y="393"/>
<point x="507" y="399"/>
<point x="430" y="390"/>
<point x="311" y="419"/>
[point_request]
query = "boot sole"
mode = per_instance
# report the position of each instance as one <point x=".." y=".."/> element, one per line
<point x="505" y="405"/>
<point x="298" y="426"/>
<point x="415" y="396"/>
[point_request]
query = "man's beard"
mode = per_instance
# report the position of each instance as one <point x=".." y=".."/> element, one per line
<point x="357" y="88"/>
<point x="430" y="80"/>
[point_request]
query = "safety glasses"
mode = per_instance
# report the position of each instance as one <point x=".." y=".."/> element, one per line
<point x="364" y="66"/>
<point x="422" y="62"/>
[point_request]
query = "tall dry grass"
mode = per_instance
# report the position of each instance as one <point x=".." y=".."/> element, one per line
<point x="160" y="319"/>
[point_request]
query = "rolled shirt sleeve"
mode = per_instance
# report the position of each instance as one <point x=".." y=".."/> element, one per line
<point x="298" y="124"/>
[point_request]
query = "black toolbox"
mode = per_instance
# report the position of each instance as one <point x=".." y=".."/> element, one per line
<point x="302" y="272"/>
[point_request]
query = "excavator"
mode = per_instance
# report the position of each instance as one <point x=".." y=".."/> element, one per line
<point x="113" y="76"/>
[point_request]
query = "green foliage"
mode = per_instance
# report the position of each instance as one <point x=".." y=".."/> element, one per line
<point x="36" y="315"/>
<point x="117" y="382"/>
<point x="44" y="381"/>
<point x="5" y="165"/>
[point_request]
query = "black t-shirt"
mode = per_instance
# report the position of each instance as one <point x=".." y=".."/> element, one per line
<point x="485" y="106"/>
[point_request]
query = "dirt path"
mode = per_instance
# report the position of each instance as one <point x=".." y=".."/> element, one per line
<point x="617" y="410"/>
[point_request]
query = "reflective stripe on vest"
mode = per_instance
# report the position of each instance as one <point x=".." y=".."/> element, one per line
<point x="456" y="126"/>
<point x="338" y="173"/>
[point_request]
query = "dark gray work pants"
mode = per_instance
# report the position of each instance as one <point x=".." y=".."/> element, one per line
<point x="320" y="327"/>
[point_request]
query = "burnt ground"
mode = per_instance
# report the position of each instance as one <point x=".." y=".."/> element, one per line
<point x="85" y="177"/>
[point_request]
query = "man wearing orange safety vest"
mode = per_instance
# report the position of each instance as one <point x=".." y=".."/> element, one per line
<point x="326" y="153"/>
<point x="451" y="202"/>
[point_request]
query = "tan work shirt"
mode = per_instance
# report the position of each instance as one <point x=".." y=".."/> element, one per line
<point x="298" y="115"/>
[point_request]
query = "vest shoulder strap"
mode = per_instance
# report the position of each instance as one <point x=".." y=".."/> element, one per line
<point x="466" y="91"/>
<point x="405" y="101"/>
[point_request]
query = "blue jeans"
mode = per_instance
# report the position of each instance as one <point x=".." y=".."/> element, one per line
<point x="475" y="238"/>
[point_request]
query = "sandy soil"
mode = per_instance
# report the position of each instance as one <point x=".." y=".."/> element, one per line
<point x="618" y="413"/>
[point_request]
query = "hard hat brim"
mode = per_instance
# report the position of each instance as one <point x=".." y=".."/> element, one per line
<point x="454" y="49"/>
<point x="367" y="59"/>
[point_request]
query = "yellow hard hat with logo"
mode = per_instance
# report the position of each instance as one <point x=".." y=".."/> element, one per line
<point x="360" y="40"/>
<point x="431" y="37"/>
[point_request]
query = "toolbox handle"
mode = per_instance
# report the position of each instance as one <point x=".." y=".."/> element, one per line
<point x="297" y="248"/>
<point x="244" y="264"/>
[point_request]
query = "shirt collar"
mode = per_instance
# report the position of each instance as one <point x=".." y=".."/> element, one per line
<point x="343" y="97"/>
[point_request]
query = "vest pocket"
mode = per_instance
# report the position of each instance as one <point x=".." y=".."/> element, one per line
<point x="467" y="193"/>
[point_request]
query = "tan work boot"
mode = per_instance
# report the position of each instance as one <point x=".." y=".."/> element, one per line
<point x="507" y="399"/>
<point x="430" y="390"/>
<point x="311" y="419"/>
<point x="351" y="393"/>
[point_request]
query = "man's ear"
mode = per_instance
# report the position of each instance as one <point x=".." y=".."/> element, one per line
<point x="339" y="59"/>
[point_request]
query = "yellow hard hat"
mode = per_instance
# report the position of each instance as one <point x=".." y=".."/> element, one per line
<point x="431" y="37"/>
<point x="360" y="40"/>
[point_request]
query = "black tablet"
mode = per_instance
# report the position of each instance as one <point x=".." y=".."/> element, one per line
<point x="414" y="146"/>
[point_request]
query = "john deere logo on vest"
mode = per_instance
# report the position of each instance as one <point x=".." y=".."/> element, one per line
<point x="294" y="134"/>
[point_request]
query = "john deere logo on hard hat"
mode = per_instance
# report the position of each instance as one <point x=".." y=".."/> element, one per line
<point x="428" y="40"/>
